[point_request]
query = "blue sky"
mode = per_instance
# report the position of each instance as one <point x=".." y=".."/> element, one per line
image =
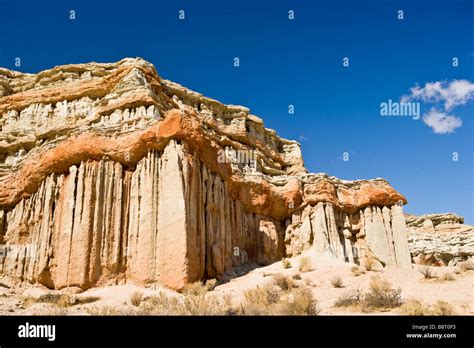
<point x="283" y="62"/>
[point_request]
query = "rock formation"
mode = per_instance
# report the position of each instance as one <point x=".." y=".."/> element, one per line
<point x="439" y="239"/>
<point x="110" y="174"/>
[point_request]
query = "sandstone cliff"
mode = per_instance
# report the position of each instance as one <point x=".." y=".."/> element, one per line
<point x="439" y="239"/>
<point x="110" y="174"/>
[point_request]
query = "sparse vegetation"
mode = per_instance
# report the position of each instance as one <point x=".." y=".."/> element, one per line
<point x="447" y="276"/>
<point x="283" y="282"/>
<point x="349" y="298"/>
<point x="268" y="300"/>
<point x="417" y="307"/>
<point x="199" y="287"/>
<point x="337" y="282"/>
<point x="427" y="272"/>
<point x="369" y="263"/>
<point x="357" y="271"/>
<point x="414" y="307"/>
<point x="286" y="263"/>
<point x="442" y="308"/>
<point x="60" y="300"/>
<point x="381" y="295"/>
<point x="136" y="298"/>
<point x="281" y="296"/>
<point x="305" y="264"/>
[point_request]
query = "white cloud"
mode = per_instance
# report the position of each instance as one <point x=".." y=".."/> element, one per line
<point x="454" y="93"/>
<point x="441" y="122"/>
<point x="303" y="138"/>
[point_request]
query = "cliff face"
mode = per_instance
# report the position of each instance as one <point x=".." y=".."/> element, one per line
<point x="439" y="239"/>
<point x="109" y="173"/>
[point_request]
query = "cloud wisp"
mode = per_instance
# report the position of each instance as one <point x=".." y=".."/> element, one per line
<point x="441" y="122"/>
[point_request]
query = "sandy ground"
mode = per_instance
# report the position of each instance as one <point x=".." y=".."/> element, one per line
<point x="459" y="292"/>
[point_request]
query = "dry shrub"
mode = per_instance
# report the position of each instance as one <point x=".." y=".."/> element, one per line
<point x="370" y="263"/>
<point x="417" y="307"/>
<point x="381" y="295"/>
<point x="414" y="307"/>
<point x="60" y="300"/>
<point x="447" y="277"/>
<point x="357" y="271"/>
<point x="198" y="304"/>
<point x="305" y="264"/>
<point x="349" y="298"/>
<point x="283" y="282"/>
<point x="136" y="298"/>
<point x="337" y="282"/>
<point x="442" y="308"/>
<point x="299" y="302"/>
<point x="262" y="295"/>
<point x="427" y="272"/>
<point x="111" y="310"/>
<point x="267" y="300"/>
<point x="286" y="263"/>
<point x="199" y="288"/>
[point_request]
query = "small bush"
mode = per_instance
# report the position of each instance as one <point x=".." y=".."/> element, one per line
<point x="67" y="300"/>
<point x="286" y="263"/>
<point x="414" y="307"/>
<point x="305" y="264"/>
<point x="382" y="295"/>
<point x="337" y="282"/>
<point x="298" y="302"/>
<point x="417" y="307"/>
<point x="136" y="298"/>
<point x="268" y="301"/>
<point x="427" y="272"/>
<point x="370" y="263"/>
<point x="442" y="308"/>
<point x="447" y="277"/>
<point x="349" y="298"/>
<point x="283" y="282"/>
<point x="262" y="295"/>
<point x="199" y="288"/>
<point x="357" y="271"/>
<point x="60" y="300"/>
<point x="211" y="284"/>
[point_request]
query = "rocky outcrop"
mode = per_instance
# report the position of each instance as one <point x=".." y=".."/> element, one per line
<point x="109" y="174"/>
<point x="373" y="232"/>
<point x="439" y="239"/>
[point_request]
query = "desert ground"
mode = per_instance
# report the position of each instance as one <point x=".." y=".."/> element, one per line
<point x="297" y="286"/>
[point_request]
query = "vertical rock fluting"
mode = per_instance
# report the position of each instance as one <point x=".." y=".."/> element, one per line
<point x="373" y="232"/>
<point x="168" y="220"/>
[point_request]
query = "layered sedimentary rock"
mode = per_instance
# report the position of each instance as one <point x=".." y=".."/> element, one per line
<point x="109" y="173"/>
<point x="439" y="239"/>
